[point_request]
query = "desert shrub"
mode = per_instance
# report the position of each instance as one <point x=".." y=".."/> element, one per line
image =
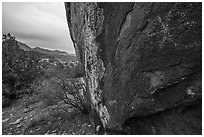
<point x="74" y="92"/>
<point x="77" y="70"/>
<point x="48" y="90"/>
<point x="5" y="101"/>
<point x="71" y="91"/>
<point x="51" y="69"/>
<point x="19" y="68"/>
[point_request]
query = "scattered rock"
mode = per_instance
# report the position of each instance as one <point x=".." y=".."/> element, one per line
<point x="25" y="118"/>
<point x="5" y="120"/>
<point x="20" y="125"/>
<point x="26" y="110"/>
<point x="17" y="121"/>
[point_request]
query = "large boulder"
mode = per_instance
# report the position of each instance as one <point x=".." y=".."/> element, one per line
<point x="141" y="60"/>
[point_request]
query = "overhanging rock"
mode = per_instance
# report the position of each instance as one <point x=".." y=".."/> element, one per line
<point x="140" y="58"/>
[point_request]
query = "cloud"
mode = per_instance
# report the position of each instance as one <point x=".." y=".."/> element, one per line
<point x="38" y="24"/>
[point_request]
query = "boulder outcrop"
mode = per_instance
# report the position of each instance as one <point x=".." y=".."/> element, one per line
<point x="143" y="64"/>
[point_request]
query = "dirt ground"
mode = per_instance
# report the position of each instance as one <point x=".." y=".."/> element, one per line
<point x="30" y="116"/>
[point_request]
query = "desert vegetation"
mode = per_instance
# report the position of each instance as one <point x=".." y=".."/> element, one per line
<point x="35" y="82"/>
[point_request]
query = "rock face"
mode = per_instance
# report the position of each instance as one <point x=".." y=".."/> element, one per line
<point x="141" y="60"/>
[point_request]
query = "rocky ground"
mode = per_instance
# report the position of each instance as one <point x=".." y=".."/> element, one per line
<point x="30" y="116"/>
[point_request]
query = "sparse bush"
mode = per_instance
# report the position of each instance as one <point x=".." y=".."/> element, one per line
<point x="74" y="94"/>
<point x="56" y="89"/>
<point x="19" y="68"/>
<point x="77" y="71"/>
<point x="48" y="90"/>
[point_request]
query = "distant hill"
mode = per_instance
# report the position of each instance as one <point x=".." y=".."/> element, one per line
<point x="23" y="46"/>
<point x="62" y="55"/>
<point x="46" y="51"/>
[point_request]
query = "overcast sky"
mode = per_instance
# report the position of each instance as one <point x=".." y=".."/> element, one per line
<point x="37" y="24"/>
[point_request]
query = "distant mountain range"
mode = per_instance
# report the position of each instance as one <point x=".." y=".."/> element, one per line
<point x="62" y="54"/>
<point x="41" y="50"/>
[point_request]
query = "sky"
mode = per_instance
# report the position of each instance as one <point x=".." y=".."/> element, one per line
<point x="38" y="24"/>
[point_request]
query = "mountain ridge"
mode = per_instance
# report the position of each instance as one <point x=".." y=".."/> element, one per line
<point x="25" y="47"/>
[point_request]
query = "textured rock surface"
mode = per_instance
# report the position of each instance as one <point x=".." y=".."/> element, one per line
<point x="141" y="60"/>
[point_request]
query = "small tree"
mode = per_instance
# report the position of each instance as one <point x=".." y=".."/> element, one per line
<point x="74" y="94"/>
